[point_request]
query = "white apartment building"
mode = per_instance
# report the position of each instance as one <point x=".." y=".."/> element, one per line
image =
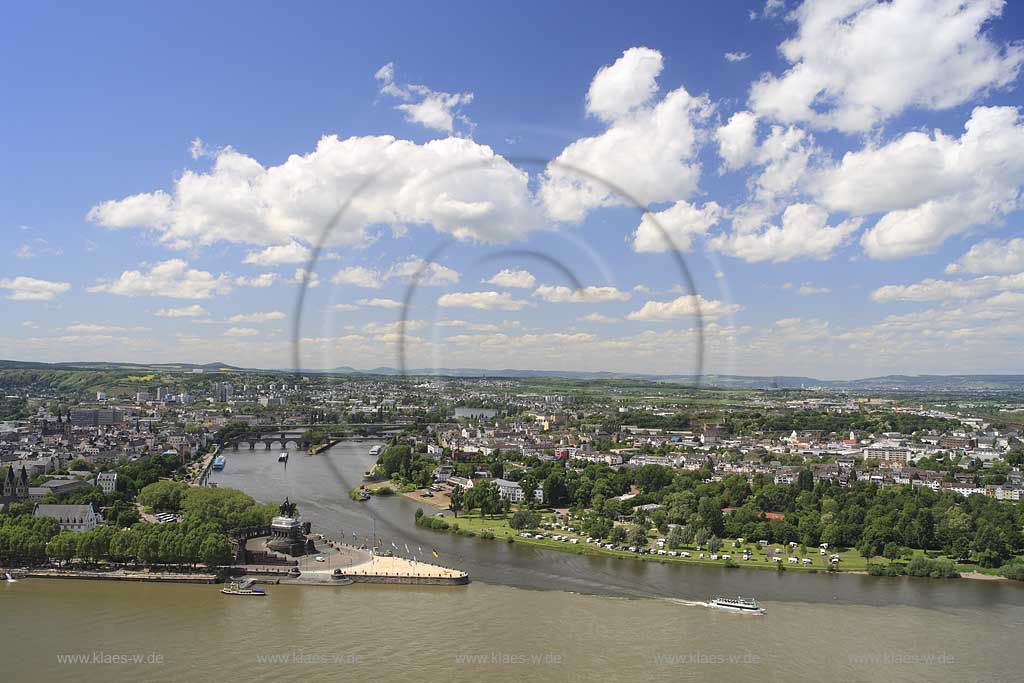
<point x="888" y="453"/>
<point x="514" y="492"/>
<point x="107" y="481"/>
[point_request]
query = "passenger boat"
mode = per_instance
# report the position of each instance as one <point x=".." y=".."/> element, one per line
<point x="738" y="604"/>
<point x="375" y="451"/>
<point x="219" y="462"/>
<point x="242" y="588"/>
<point x="283" y="457"/>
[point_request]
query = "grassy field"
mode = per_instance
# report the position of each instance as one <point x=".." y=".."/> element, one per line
<point x="499" y="526"/>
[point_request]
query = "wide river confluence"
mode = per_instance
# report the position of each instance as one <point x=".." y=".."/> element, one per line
<point x="529" y="615"/>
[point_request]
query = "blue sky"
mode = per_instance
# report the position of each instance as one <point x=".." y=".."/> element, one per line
<point x="840" y="179"/>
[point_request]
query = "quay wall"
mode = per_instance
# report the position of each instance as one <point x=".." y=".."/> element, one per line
<point x="117" y="576"/>
<point x="410" y="580"/>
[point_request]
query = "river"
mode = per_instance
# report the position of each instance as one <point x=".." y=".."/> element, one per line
<point x="529" y="615"/>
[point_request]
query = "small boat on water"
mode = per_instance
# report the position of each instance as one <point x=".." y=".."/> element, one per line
<point x="375" y="451"/>
<point x="242" y="588"/>
<point x="219" y="462"/>
<point x="283" y="457"/>
<point x="339" y="579"/>
<point x="737" y="604"/>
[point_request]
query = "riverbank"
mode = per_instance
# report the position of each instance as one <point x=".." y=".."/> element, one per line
<point x="321" y="482"/>
<point x="118" y="575"/>
<point x="730" y="554"/>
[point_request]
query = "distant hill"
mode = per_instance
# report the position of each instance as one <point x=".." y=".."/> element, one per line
<point x="111" y="367"/>
<point x="887" y="383"/>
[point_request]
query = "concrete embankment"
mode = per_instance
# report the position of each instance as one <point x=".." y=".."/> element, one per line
<point x="148" y="577"/>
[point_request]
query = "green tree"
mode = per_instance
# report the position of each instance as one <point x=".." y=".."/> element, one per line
<point x="215" y="550"/>
<point x="638" y="536"/>
<point x="675" y="538"/>
<point x="63" y="546"/>
<point x="524" y="519"/>
<point x="163" y="495"/>
<point x="457" y="500"/>
<point x="714" y="544"/>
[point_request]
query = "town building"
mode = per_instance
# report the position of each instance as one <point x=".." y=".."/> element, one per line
<point x="514" y="492"/>
<point x="70" y="517"/>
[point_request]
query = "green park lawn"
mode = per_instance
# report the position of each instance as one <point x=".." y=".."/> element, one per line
<point x="499" y="526"/>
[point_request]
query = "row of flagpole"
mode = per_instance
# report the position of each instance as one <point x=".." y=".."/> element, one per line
<point x="374" y="545"/>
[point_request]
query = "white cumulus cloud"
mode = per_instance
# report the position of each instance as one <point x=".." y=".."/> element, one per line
<point x="358" y="276"/>
<point x="380" y="303"/>
<point x="932" y="289"/>
<point x="24" y="288"/>
<point x="931" y="187"/>
<point x="396" y="183"/>
<point x="857" y="63"/>
<point x="681" y="223"/>
<point x="193" y="311"/>
<point x="501" y="301"/>
<point x="172" y="278"/>
<point x="558" y="294"/>
<point x="992" y="257"/>
<point x="629" y="83"/>
<point x="804" y="232"/>
<point x="685" y="306"/>
<point x="648" y="151"/>
<point x="430" y="108"/>
<point x="260" y="317"/>
<point x="292" y="252"/>
<point x="519" y="279"/>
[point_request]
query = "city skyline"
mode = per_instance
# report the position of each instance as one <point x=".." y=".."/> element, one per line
<point x="844" y="210"/>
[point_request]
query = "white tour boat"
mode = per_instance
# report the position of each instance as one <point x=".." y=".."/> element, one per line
<point x="738" y="604"/>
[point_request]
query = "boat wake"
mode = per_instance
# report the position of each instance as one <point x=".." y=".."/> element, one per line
<point x="688" y="603"/>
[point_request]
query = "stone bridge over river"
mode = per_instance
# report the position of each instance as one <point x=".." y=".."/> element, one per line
<point x="273" y="440"/>
<point x="290" y="438"/>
